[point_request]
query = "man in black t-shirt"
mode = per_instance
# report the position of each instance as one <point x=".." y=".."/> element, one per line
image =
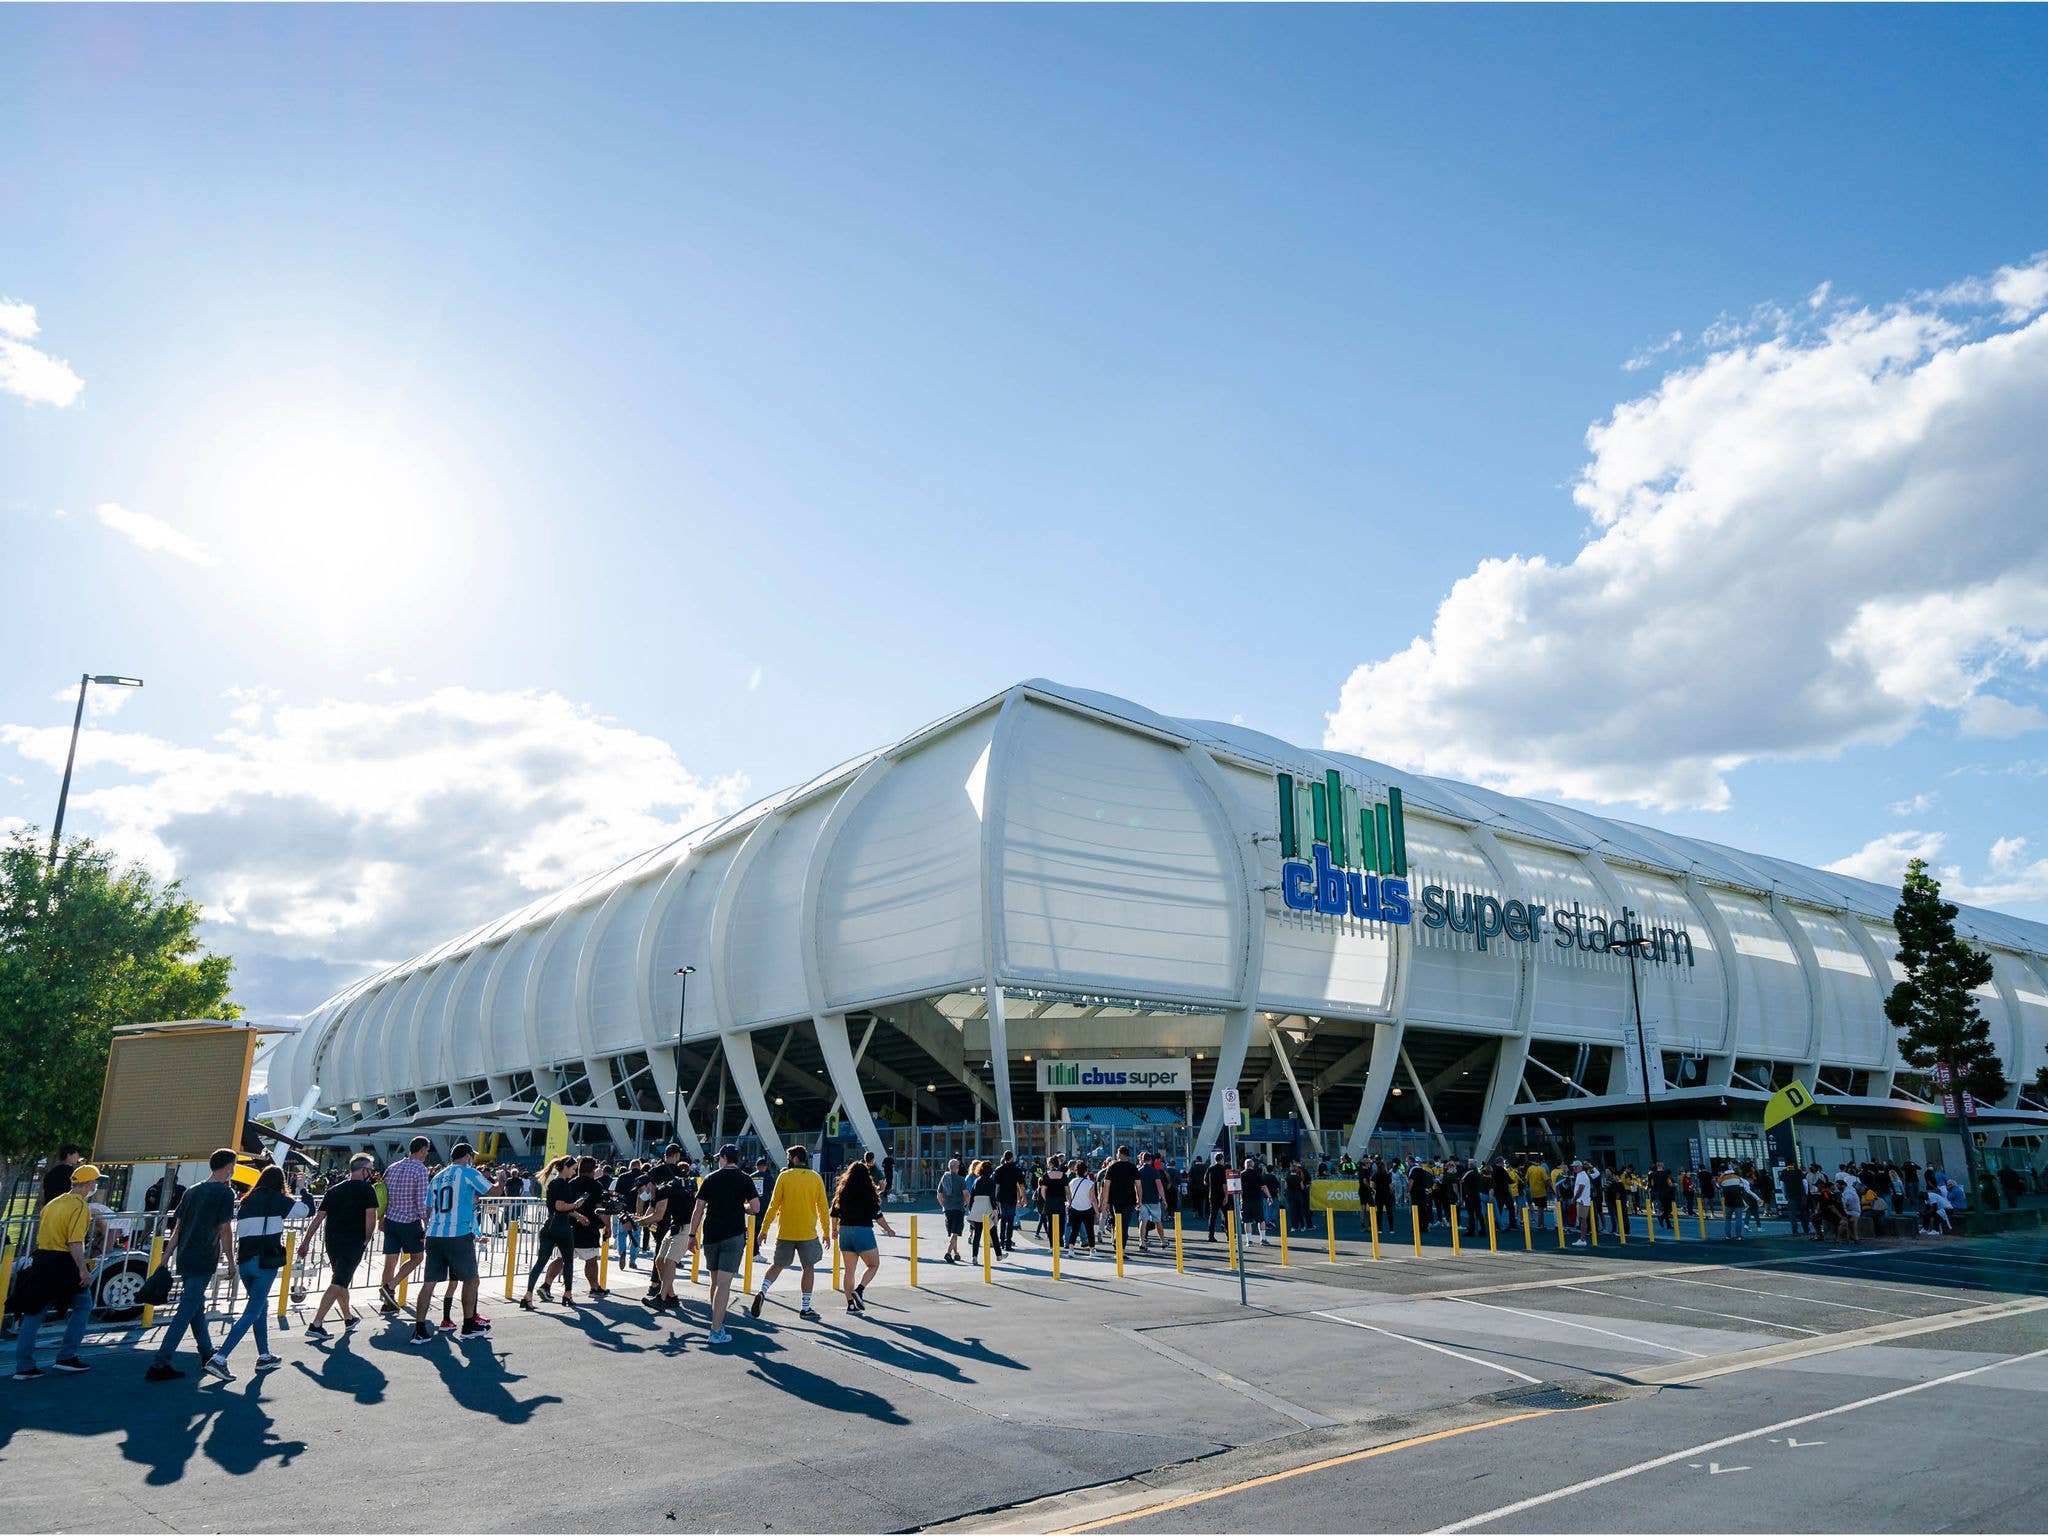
<point x="349" y="1212"/>
<point x="672" y="1199"/>
<point x="595" y="1197"/>
<point x="724" y="1201"/>
<point x="1218" y="1182"/>
<point x="1152" y="1191"/>
<point x="1009" y="1181"/>
<point x="1120" y="1189"/>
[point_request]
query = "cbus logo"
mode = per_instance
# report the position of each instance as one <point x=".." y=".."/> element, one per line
<point x="1357" y="850"/>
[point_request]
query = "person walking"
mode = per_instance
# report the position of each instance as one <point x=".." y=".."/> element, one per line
<point x="1152" y="1201"/>
<point x="1537" y="1182"/>
<point x="856" y="1212"/>
<point x="799" y="1210"/>
<point x="626" y="1191"/>
<point x="1582" y="1202"/>
<point x="451" y="1242"/>
<point x="259" y="1255"/>
<point x="724" y="1201"/>
<point x="204" y="1235"/>
<point x="1053" y="1186"/>
<point x="1218" y="1185"/>
<point x="1009" y="1182"/>
<point x="555" y="1248"/>
<point x="953" y="1206"/>
<point x="671" y="1204"/>
<point x="764" y="1191"/>
<point x="348" y="1211"/>
<point x="593" y="1198"/>
<point x="1120" y="1188"/>
<point x="1734" y="1192"/>
<point x="405" y="1221"/>
<point x="58" y="1275"/>
<point x="1081" y="1208"/>
<point x="981" y="1208"/>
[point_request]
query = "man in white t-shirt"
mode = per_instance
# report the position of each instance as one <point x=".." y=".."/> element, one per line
<point x="1081" y="1204"/>
<point x="1582" y="1199"/>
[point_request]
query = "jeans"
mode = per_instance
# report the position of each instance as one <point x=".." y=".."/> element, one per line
<point x="1006" y="1227"/>
<point x="627" y="1238"/>
<point x="1731" y="1223"/>
<point x="74" y="1332"/>
<point x="191" y="1313"/>
<point x="256" y="1286"/>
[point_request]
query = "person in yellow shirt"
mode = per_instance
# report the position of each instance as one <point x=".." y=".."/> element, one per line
<point x="800" y="1209"/>
<point x="1539" y="1193"/>
<point x="58" y="1276"/>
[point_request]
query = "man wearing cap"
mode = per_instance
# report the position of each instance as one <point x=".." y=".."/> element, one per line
<point x="1582" y="1199"/>
<point x="800" y="1211"/>
<point x="57" y="1276"/>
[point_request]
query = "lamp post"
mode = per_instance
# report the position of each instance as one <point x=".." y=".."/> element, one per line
<point x="1634" y="942"/>
<point x="106" y="679"/>
<point x="683" y="974"/>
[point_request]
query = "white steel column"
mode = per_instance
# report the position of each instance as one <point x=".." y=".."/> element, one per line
<point x="840" y="1067"/>
<point x="746" y="1079"/>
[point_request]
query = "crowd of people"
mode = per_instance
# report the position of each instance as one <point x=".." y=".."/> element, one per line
<point x="667" y="1213"/>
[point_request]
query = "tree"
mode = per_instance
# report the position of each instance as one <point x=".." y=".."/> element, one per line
<point x="1932" y="1009"/>
<point x="85" y="946"/>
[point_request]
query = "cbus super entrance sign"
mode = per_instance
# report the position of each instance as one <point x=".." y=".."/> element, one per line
<point x="1356" y="862"/>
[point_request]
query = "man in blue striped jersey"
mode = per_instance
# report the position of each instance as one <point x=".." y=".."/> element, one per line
<point x="451" y="1242"/>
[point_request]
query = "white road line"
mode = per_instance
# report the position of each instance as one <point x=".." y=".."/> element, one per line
<point x="1812" y="1301"/>
<point x="1548" y="1317"/>
<point x="1590" y="1483"/>
<point x="1954" y="1257"/>
<point x="1505" y="1370"/>
<point x="1925" y="1290"/>
<point x="1734" y="1317"/>
<point x="1307" y="1418"/>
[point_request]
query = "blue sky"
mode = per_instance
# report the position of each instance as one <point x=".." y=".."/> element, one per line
<point x="500" y="435"/>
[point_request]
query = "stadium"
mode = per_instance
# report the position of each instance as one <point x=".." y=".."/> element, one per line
<point x="1057" y="914"/>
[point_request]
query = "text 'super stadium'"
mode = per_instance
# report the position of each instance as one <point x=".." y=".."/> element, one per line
<point x="1059" y="908"/>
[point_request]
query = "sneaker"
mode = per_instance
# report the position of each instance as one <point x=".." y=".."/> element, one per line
<point x="718" y="1336"/>
<point x="652" y="1300"/>
<point x="71" y="1365"/>
<point x="598" y="1293"/>
<point x="860" y="1293"/>
<point x="421" y="1334"/>
<point x="809" y="1315"/>
<point x="217" y="1368"/>
<point x="447" y="1325"/>
<point x="319" y="1331"/>
<point x="351" y="1320"/>
<point x="33" y="1373"/>
<point x="163" y="1370"/>
<point x="269" y="1362"/>
<point x="760" y="1300"/>
<point x="480" y="1323"/>
<point x="471" y="1331"/>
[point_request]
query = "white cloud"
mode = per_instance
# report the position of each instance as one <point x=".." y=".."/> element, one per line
<point x="1917" y="805"/>
<point x="100" y="703"/>
<point x="1883" y="859"/>
<point x="1651" y="353"/>
<point x="150" y="532"/>
<point x="2019" y="292"/>
<point x="25" y="369"/>
<point x="754" y="680"/>
<point x="1815" y="537"/>
<point x="350" y="833"/>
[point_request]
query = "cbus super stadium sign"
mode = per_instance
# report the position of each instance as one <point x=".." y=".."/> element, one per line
<point x="1356" y="862"/>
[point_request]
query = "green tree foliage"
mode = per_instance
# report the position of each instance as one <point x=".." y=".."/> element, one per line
<point x="85" y="946"/>
<point x="1932" y="1008"/>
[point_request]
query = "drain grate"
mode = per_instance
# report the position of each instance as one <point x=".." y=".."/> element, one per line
<point x="1551" y="1397"/>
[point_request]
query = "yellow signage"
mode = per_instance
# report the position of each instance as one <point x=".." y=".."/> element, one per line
<point x="1786" y="1103"/>
<point x="1333" y="1194"/>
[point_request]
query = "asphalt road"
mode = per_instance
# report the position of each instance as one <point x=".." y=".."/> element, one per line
<point x="1026" y="1403"/>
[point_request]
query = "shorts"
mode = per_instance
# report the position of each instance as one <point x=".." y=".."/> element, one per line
<point x="404" y="1236"/>
<point x="723" y="1257"/>
<point x="857" y="1240"/>
<point x="675" y="1247"/>
<point x="343" y="1262"/>
<point x="956" y="1223"/>
<point x="589" y="1254"/>
<point x="451" y="1258"/>
<point x="1150" y="1213"/>
<point x="806" y="1250"/>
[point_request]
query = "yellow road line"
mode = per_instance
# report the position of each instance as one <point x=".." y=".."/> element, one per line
<point x="1313" y="1466"/>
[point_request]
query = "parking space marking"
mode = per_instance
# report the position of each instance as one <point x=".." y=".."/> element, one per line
<point x="1587" y="1484"/>
<point x="1735" y="1317"/>
<point x="1307" y="1418"/>
<point x="1813" y="1301"/>
<point x="1505" y="1370"/>
<point x="1549" y="1317"/>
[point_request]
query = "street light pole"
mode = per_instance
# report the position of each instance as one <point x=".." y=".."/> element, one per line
<point x="1632" y="943"/>
<point x="683" y="974"/>
<point x="71" y="757"/>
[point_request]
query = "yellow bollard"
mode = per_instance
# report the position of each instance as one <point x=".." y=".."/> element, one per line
<point x="1621" y="1223"/>
<point x="1372" y="1214"/>
<point x="697" y="1255"/>
<point x="1180" y="1266"/>
<point x="835" y="1259"/>
<point x="913" y="1252"/>
<point x="1330" y="1218"/>
<point x="1055" y="1247"/>
<point x="747" y="1258"/>
<point x="1283" y="1241"/>
<point x="1118" y="1218"/>
<point x="284" y="1291"/>
<point x="511" y="1253"/>
<point x="7" y="1275"/>
<point x="1650" y="1222"/>
<point x="1593" y="1226"/>
<point x="1560" y="1224"/>
<point x="1492" y="1232"/>
<point x="1415" y="1221"/>
<point x="1700" y="1210"/>
<point x="1230" y="1234"/>
<point x="1457" y="1244"/>
<point x="1528" y="1237"/>
<point x="988" y="1250"/>
<point x="405" y="1284"/>
<point x="156" y="1257"/>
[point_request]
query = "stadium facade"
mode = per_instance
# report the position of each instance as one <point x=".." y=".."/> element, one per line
<point x="1058" y="899"/>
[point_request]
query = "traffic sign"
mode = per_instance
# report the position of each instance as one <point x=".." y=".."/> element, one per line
<point x="1230" y="1104"/>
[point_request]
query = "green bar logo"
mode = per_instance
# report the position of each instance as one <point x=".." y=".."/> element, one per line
<point x="1356" y="861"/>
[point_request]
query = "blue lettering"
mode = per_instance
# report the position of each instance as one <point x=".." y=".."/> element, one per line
<point x="1394" y="900"/>
<point x="1364" y="891"/>
<point x="1486" y="921"/>
<point x="1433" y="913"/>
<point x="1298" y="885"/>
<point x="1330" y="897"/>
